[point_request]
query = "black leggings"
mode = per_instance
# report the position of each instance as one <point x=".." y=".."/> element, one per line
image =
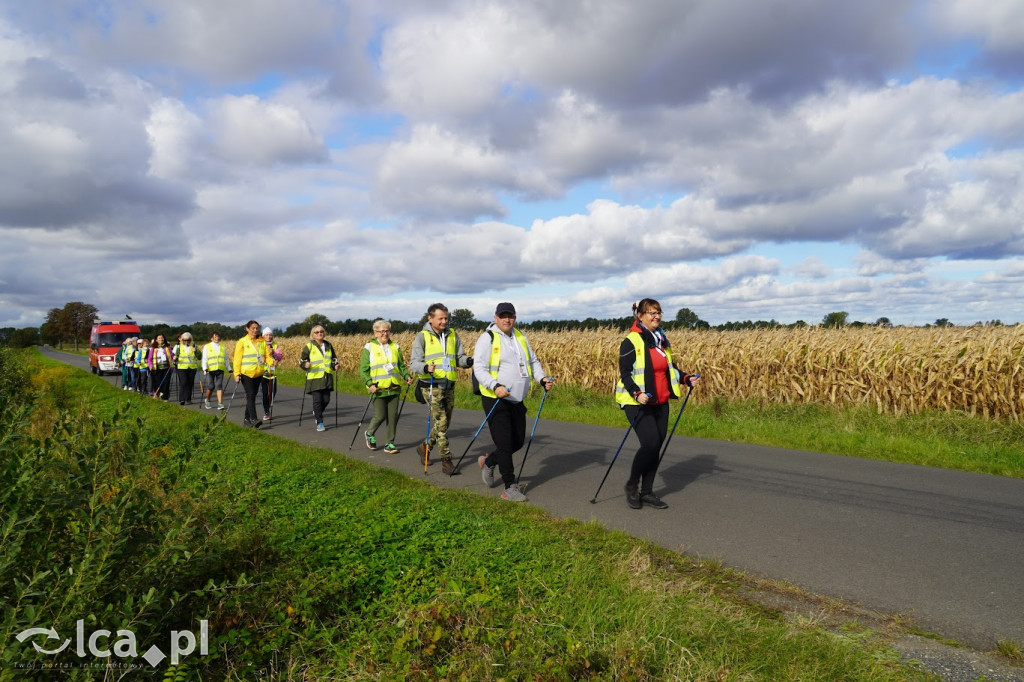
<point x="651" y="428"/>
<point x="252" y="387"/>
<point x="508" y="431"/>
<point x="186" y="381"/>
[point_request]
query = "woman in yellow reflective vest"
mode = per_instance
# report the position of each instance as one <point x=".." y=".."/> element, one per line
<point x="320" y="362"/>
<point x="648" y="379"/>
<point x="186" y="361"/>
<point x="383" y="370"/>
<point x="214" y="365"/>
<point x="252" y="358"/>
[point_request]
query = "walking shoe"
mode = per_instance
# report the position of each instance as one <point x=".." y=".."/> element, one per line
<point x="486" y="471"/>
<point x="390" y="449"/>
<point x="371" y="440"/>
<point x="320" y="426"/>
<point x="652" y="500"/>
<point x="181" y="402"/>
<point x="633" y="496"/>
<point x="206" y="404"/>
<point x="266" y="417"/>
<point x="422" y="450"/>
<point x="514" y="494"/>
<point x="448" y="467"/>
<point x="220" y="406"/>
<point x="246" y="422"/>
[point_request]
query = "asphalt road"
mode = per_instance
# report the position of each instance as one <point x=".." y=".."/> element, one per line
<point x="944" y="547"/>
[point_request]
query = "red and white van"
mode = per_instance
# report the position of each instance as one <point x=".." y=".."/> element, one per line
<point x="105" y="340"/>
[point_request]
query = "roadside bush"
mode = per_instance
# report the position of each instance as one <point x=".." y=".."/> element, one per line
<point x="14" y="378"/>
<point x="94" y="526"/>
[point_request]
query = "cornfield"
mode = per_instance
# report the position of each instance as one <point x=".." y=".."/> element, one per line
<point x="976" y="370"/>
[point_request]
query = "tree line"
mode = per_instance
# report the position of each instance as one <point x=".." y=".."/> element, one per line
<point x="72" y="324"/>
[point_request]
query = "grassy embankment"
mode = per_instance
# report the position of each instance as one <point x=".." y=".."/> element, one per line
<point x="134" y="514"/>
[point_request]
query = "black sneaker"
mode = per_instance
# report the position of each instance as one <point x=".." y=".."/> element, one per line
<point x="652" y="500"/>
<point x="633" y="496"/>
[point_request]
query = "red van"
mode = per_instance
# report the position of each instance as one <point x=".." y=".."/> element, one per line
<point x="104" y="342"/>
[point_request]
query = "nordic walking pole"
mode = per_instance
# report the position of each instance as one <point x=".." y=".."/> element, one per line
<point x="167" y="373"/>
<point x="486" y="419"/>
<point x="426" y="443"/>
<point x="273" y="392"/>
<point x="336" y="399"/>
<point x="302" y="407"/>
<point x="539" y="410"/>
<point x="631" y="425"/>
<point x="675" y="423"/>
<point x="401" y="405"/>
<point x="365" y="409"/>
<point x="232" y="398"/>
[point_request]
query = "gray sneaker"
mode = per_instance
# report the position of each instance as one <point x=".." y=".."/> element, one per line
<point x="513" y="494"/>
<point x="487" y="472"/>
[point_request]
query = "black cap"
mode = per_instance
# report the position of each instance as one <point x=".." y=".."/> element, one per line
<point x="504" y="308"/>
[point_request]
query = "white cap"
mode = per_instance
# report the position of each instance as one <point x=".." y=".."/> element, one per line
<point x="267" y="330"/>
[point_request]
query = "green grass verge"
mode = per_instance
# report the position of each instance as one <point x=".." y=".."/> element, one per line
<point x="311" y="565"/>
<point x="950" y="440"/>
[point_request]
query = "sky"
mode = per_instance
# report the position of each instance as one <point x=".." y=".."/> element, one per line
<point x="188" y="160"/>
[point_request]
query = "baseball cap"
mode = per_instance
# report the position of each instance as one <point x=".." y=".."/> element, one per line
<point x="504" y="308"/>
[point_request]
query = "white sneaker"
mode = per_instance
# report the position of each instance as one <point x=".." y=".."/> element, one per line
<point x="513" y="494"/>
<point x="206" y="404"/>
<point x="486" y="471"/>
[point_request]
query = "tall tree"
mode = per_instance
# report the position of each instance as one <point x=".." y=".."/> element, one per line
<point x="80" y="318"/>
<point x="55" y="327"/>
<point x="462" y="319"/>
<point x="835" y="319"/>
<point x="690" y="320"/>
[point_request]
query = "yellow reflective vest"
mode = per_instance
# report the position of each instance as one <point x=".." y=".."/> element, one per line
<point x="252" y="357"/>
<point x="186" y="357"/>
<point x="495" y="360"/>
<point x="434" y="353"/>
<point x="622" y="396"/>
<point x="384" y="370"/>
<point x="216" y="361"/>
<point x="319" y="363"/>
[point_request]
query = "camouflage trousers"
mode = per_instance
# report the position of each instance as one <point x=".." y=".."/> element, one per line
<point x="441" y="402"/>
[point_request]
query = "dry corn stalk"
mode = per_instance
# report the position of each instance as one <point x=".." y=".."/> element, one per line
<point x="978" y="370"/>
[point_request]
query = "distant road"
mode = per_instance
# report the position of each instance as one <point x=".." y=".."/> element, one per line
<point x="944" y="547"/>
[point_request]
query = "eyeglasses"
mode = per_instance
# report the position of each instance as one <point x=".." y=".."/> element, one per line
<point x="652" y="313"/>
<point x="383" y="331"/>
<point x="320" y="331"/>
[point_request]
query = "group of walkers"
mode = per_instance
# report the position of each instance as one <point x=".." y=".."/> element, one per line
<point x="506" y="367"/>
<point x="146" y="366"/>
